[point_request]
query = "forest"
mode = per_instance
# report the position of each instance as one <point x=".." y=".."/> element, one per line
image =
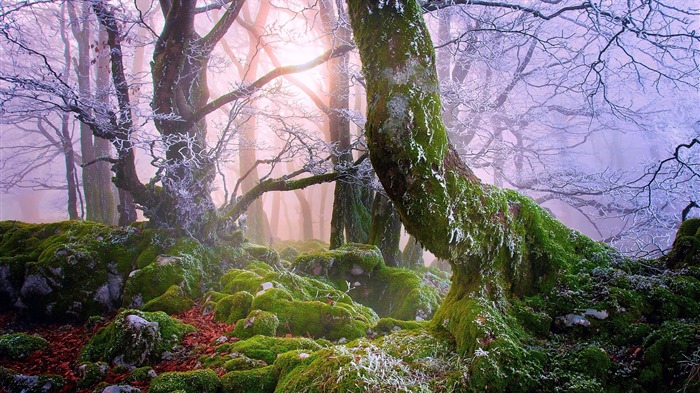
<point x="360" y="196"/>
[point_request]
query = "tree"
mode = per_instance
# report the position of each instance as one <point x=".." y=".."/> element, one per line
<point x="560" y="100"/>
<point x="499" y="244"/>
<point x="179" y="195"/>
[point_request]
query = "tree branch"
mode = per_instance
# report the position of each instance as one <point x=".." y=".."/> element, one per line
<point x="263" y="80"/>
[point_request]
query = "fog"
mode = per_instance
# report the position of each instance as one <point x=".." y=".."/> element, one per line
<point x="594" y="121"/>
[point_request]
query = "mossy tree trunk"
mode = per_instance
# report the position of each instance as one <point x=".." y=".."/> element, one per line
<point x="499" y="244"/>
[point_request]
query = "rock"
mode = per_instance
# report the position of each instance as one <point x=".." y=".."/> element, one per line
<point x="596" y="314"/>
<point x="571" y="320"/>
<point x="196" y="381"/>
<point x="135" y="338"/>
<point x="121" y="389"/>
<point x="257" y="323"/>
<point x="60" y="271"/>
<point x="91" y="373"/>
<point x="19" y="345"/>
<point x="14" y="382"/>
<point x="173" y="301"/>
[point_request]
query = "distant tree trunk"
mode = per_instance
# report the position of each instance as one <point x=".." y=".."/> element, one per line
<point x="100" y="196"/>
<point x="499" y="243"/>
<point x="350" y="218"/>
<point x="322" y="212"/>
<point x="71" y="176"/>
<point x="307" y="226"/>
<point x="412" y="255"/>
<point x="65" y="136"/>
<point x="275" y="215"/>
<point x="385" y="232"/>
<point x="108" y="196"/>
<point x="256" y="219"/>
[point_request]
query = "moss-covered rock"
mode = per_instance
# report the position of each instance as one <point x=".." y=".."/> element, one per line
<point x="135" y="338"/>
<point x="92" y="373"/>
<point x="262" y="253"/>
<point x="19" y="345"/>
<point x="12" y="381"/>
<point x="303" y="306"/>
<point x="390" y="325"/>
<point x="258" y="380"/>
<point x="173" y="301"/>
<point x="412" y="361"/>
<point x="391" y="292"/>
<point x="347" y="261"/>
<point x="186" y="263"/>
<point x="65" y="270"/>
<point x="241" y="363"/>
<point x="231" y="308"/>
<point x="268" y="348"/>
<point x="257" y="323"/>
<point x="145" y="373"/>
<point x="195" y="381"/>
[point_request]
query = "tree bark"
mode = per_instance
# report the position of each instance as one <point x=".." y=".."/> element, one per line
<point x="499" y="243"/>
<point x="385" y="232"/>
<point x="350" y="218"/>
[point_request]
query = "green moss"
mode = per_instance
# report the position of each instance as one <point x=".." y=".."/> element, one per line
<point x="240" y="363"/>
<point x="256" y="323"/>
<point x="267" y="348"/>
<point x="404" y="361"/>
<point x="593" y="361"/>
<point x="536" y="323"/>
<point x="135" y="338"/>
<point x="19" y="345"/>
<point x="686" y="246"/>
<point x="262" y="253"/>
<point x="349" y="260"/>
<point x="151" y="282"/>
<point x="391" y="292"/>
<point x="259" y="267"/>
<point x="145" y="373"/>
<point x="65" y="271"/>
<point x="259" y="380"/>
<point x="148" y="255"/>
<point x="237" y="280"/>
<point x="12" y="381"/>
<point x="196" y="381"/>
<point x="91" y="373"/>
<point x="664" y="349"/>
<point x="173" y="301"/>
<point x="231" y="308"/>
<point x="390" y="325"/>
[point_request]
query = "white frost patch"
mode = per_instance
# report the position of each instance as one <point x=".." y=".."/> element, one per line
<point x="573" y="319"/>
<point x="596" y="314"/>
<point x="398" y="5"/>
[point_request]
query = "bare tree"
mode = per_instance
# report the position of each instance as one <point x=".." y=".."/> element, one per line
<point x="179" y="195"/>
<point x="535" y="97"/>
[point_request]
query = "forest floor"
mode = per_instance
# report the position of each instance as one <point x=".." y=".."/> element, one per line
<point x="66" y="341"/>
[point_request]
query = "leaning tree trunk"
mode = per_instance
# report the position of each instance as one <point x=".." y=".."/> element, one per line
<point x="499" y="243"/>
